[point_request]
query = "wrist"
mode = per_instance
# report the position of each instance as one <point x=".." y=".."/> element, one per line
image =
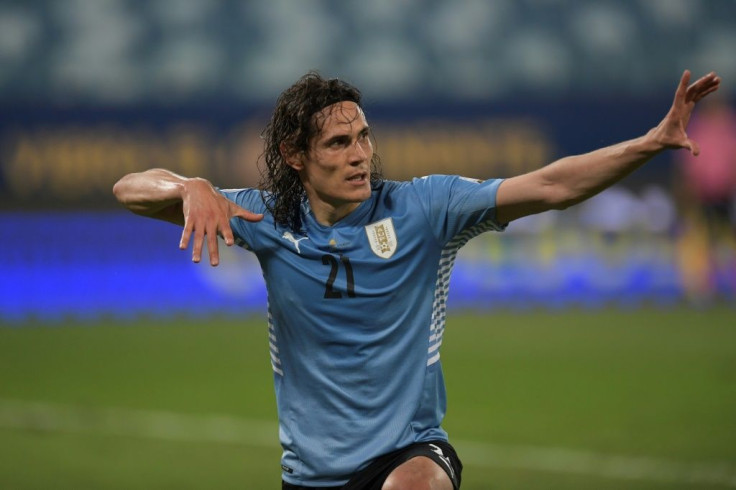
<point x="652" y="142"/>
<point x="190" y="185"/>
<point x="196" y="189"/>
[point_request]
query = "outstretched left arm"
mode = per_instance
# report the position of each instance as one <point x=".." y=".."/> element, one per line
<point x="573" y="179"/>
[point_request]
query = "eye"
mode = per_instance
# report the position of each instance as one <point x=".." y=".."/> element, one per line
<point x="338" y="142"/>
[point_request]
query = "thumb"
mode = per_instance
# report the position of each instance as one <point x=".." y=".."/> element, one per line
<point x="237" y="211"/>
<point x="693" y="147"/>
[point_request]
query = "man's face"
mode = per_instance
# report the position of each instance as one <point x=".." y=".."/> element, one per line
<point x="335" y="172"/>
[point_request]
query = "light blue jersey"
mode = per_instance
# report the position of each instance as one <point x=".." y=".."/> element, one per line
<point x="356" y="317"/>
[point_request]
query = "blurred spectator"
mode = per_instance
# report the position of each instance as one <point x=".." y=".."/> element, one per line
<point x="707" y="190"/>
<point x="709" y="180"/>
<point x="137" y="51"/>
<point x="612" y="212"/>
<point x="658" y="213"/>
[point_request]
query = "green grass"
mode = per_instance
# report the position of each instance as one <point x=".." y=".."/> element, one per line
<point x="653" y="385"/>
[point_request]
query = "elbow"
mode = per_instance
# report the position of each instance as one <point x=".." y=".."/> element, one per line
<point x="119" y="190"/>
<point x="126" y="193"/>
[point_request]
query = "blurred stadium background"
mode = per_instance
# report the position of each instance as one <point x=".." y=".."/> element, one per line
<point x="607" y="330"/>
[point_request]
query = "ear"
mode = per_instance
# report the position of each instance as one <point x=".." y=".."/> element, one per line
<point x="292" y="158"/>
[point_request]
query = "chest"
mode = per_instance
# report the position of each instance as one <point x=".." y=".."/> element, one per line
<point x="373" y="259"/>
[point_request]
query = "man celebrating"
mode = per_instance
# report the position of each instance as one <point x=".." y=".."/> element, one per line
<point x="357" y="271"/>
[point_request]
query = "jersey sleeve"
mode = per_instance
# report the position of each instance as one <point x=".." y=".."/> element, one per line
<point x="455" y="205"/>
<point x="248" y="199"/>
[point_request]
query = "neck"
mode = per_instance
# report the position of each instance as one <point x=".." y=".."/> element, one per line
<point x="328" y="215"/>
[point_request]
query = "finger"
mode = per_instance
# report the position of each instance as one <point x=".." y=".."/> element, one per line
<point x="185" y="235"/>
<point x="243" y="213"/>
<point x="197" y="247"/>
<point x="248" y="216"/>
<point x="704" y="84"/>
<point x="697" y="93"/>
<point x="683" y="86"/>
<point x="227" y="234"/>
<point x="705" y="93"/>
<point x="712" y="84"/>
<point x="693" y="146"/>
<point x="213" y="248"/>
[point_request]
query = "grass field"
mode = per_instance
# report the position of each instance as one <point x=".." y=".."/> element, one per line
<point x="537" y="400"/>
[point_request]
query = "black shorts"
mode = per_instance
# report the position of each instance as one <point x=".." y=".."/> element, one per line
<point x="374" y="475"/>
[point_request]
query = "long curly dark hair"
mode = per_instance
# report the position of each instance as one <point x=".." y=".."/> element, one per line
<point x="293" y="123"/>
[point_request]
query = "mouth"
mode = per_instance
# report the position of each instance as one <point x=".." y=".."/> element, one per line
<point x="359" y="178"/>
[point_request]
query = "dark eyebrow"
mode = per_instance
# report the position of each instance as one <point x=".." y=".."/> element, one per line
<point x="345" y="137"/>
<point x="338" y="138"/>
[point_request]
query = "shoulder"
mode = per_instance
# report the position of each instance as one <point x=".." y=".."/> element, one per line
<point x="417" y="183"/>
<point x="247" y="198"/>
<point x="439" y="184"/>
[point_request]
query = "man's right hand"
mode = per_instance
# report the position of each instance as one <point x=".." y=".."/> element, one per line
<point x="207" y="214"/>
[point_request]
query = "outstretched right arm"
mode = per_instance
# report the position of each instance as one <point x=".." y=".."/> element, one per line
<point x="189" y="202"/>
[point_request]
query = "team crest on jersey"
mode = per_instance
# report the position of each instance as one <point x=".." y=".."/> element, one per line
<point x="382" y="238"/>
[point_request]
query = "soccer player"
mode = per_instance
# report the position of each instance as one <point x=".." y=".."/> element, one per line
<point x="357" y="271"/>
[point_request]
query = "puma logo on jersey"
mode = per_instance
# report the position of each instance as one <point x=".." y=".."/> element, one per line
<point x="288" y="236"/>
<point x="438" y="451"/>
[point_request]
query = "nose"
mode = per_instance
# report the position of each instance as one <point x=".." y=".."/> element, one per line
<point x="360" y="152"/>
